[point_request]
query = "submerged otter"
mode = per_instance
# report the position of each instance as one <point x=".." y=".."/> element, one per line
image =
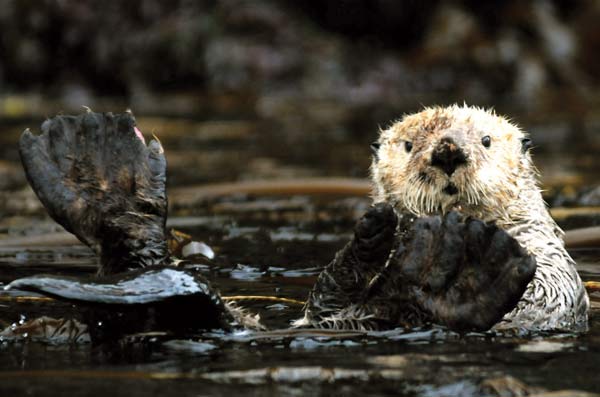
<point x="428" y="251"/>
<point x="468" y="160"/>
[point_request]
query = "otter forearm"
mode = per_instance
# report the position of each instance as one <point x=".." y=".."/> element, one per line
<point x="342" y="285"/>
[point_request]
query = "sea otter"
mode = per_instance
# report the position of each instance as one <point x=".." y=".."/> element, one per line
<point x="451" y="238"/>
<point x="465" y="159"/>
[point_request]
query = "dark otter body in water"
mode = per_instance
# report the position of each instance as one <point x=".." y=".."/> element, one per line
<point x="98" y="179"/>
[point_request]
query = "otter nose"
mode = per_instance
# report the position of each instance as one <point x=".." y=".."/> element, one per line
<point x="448" y="156"/>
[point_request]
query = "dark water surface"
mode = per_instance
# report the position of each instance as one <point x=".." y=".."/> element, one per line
<point x="272" y="246"/>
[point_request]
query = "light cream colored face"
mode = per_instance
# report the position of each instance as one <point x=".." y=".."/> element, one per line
<point x="495" y="170"/>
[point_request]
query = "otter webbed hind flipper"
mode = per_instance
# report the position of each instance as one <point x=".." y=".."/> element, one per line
<point x="160" y="298"/>
<point x="100" y="181"/>
<point x="97" y="177"/>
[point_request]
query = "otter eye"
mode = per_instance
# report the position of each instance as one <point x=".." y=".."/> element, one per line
<point x="408" y="146"/>
<point x="525" y="144"/>
<point x="486" y="141"/>
<point x="374" y="148"/>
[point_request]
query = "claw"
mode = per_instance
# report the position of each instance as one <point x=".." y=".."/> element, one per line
<point x="160" y="147"/>
<point x="27" y="135"/>
<point x="87" y="109"/>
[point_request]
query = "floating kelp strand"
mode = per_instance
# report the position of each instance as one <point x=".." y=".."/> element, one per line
<point x="236" y="298"/>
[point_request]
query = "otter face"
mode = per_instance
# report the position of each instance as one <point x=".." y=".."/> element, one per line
<point x="452" y="158"/>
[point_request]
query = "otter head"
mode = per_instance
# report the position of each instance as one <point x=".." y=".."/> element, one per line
<point x="462" y="158"/>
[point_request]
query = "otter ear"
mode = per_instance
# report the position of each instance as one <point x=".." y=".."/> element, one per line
<point x="525" y="145"/>
<point x="375" y="149"/>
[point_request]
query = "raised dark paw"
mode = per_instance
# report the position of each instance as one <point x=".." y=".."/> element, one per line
<point x="462" y="273"/>
<point x="97" y="178"/>
<point x="374" y="232"/>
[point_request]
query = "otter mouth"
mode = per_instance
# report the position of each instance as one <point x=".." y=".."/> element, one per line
<point x="450" y="189"/>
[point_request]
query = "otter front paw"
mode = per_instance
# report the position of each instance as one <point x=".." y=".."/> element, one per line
<point x="373" y="234"/>
<point x="465" y="274"/>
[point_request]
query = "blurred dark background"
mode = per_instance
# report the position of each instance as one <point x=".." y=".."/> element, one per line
<point x="353" y="53"/>
<point x="259" y="89"/>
